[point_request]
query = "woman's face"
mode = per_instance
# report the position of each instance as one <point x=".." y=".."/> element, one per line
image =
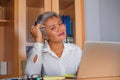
<point x="55" y="29"/>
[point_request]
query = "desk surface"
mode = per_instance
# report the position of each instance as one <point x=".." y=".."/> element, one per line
<point x="108" y="78"/>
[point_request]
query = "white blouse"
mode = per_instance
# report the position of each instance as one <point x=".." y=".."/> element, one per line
<point x="49" y="64"/>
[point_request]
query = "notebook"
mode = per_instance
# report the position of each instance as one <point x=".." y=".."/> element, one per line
<point x="100" y="59"/>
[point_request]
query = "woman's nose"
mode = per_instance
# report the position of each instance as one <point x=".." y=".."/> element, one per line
<point x="58" y="27"/>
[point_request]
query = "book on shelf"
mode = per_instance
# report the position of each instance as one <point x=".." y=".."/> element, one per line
<point x="69" y="28"/>
<point x="3" y="68"/>
<point x="68" y="23"/>
<point x="28" y="48"/>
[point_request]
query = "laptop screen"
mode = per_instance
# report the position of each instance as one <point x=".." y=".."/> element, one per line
<point x="100" y="59"/>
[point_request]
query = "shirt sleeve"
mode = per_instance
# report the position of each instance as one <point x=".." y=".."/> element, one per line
<point x="31" y="66"/>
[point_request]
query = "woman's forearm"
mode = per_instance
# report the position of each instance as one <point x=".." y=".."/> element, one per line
<point x="34" y="60"/>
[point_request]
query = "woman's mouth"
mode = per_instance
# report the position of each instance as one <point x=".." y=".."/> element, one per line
<point x="61" y="34"/>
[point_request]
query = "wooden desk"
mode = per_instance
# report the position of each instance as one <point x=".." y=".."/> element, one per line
<point x="105" y="78"/>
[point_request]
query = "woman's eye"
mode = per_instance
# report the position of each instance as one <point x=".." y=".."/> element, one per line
<point x="60" y="23"/>
<point x="52" y="28"/>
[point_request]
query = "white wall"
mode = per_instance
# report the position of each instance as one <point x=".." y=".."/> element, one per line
<point x="110" y="20"/>
<point x="102" y="20"/>
<point x="92" y="20"/>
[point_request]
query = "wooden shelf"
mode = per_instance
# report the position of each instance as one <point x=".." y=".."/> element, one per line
<point x="2" y="22"/>
<point x="5" y="20"/>
<point x="29" y="43"/>
<point x="8" y="76"/>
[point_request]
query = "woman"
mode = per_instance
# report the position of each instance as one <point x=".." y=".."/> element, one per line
<point x="50" y="55"/>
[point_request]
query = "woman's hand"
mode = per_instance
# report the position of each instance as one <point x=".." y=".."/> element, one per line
<point x="35" y="30"/>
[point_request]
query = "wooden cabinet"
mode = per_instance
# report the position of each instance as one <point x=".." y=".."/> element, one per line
<point x="19" y="16"/>
<point x="12" y="36"/>
<point x="8" y="48"/>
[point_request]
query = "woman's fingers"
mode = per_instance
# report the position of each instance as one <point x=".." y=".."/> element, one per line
<point x="35" y="30"/>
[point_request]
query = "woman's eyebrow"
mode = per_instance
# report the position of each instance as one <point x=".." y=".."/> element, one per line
<point x="49" y="26"/>
<point x="54" y="23"/>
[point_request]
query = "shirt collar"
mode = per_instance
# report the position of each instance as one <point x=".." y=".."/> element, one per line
<point x="46" y="47"/>
<point x="67" y="49"/>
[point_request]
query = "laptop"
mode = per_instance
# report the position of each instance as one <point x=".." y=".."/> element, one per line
<point x="100" y="59"/>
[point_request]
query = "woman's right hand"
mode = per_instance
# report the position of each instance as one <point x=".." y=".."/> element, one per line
<point x="35" y="30"/>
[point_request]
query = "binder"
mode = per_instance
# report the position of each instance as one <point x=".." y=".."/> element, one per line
<point x="3" y="68"/>
<point x="67" y="21"/>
